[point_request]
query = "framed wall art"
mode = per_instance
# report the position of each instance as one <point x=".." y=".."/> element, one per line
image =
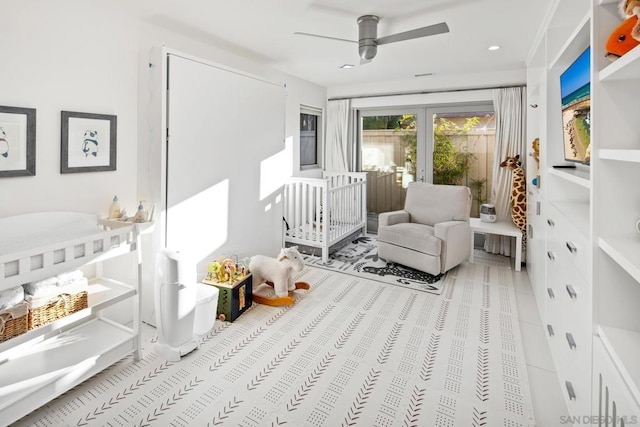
<point x="88" y="142"/>
<point x="17" y="141"/>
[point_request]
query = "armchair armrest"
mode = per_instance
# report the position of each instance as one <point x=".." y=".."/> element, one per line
<point x="391" y="218"/>
<point x="456" y="242"/>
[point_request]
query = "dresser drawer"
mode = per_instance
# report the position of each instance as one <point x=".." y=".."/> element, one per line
<point x="552" y="220"/>
<point x="573" y="294"/>
<point x="576" y="388"/>
<point x="576" y="249"/>
<point x="574" y="370"/>
<point x="553" y="262"/>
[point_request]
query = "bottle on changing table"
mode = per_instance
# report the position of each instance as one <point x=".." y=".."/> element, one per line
<point x="114" y="210"/>
<point x="140" y="215"/>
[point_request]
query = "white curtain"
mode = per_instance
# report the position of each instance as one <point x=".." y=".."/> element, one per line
<point x="510" y="108"/>
<point x="338" y="146"/>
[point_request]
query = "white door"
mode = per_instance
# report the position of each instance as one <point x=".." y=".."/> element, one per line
<point x="226" y="138"/>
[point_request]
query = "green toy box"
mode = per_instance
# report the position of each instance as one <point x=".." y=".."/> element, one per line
<point x="235" y="297"/>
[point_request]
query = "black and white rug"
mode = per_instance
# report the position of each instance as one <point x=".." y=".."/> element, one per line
<point x="360" y="258"/>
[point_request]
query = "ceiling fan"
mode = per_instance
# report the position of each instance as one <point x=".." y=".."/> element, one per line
<point x="368" y="40"/>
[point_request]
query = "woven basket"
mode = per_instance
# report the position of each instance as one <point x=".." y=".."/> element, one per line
<point x="58" y="307"/>
<point x="14" y="321"/>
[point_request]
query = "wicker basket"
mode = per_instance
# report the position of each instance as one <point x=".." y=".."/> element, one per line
<point x="56" y="308"/>
<point x="14" y="321"/>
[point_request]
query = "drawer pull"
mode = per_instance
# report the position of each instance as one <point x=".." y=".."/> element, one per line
<point x="551" y="223"/>
<point x="571" y="341"/>
<point x="551" y="256"/>
<point x="572" y="292"/>
<point x="538" y="208"/>
<point x="551" y="294"/>
<point x="572" y="248"/>
<point x="550" y="330"/>
<point x="570" y="392"/>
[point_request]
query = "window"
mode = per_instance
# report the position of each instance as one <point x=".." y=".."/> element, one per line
<point x="463" y="149"/>
<point x="310" y="137"/>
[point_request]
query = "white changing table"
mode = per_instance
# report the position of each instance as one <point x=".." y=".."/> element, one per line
<point x="43" y="363"/>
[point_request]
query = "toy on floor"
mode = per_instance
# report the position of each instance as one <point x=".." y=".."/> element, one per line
<point x="279" y="274"/>
<point x="226" y="270"/>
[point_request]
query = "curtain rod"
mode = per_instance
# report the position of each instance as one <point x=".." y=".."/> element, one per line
<point x="424" y="92"/>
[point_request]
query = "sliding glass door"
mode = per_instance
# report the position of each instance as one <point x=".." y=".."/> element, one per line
<point x="461" y="143"/>
<point x="392" y="154"/>
<point x="450" y="145"/>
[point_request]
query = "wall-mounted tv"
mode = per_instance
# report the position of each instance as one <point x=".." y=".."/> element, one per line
<point x="575" y="89"/>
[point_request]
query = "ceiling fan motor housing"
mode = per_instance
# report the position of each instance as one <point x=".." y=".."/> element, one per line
<point x="367" y="35"/>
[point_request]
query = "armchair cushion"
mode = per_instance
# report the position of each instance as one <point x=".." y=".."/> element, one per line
<point x="413" y="236"/>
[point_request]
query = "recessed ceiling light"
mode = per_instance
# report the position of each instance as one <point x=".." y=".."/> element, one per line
<point x="494" y="47"/>
<point x="347" y="66"/>
<point x="424" y="75"/>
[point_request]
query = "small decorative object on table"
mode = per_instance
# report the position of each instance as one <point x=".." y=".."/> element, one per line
<point x="235" y="285"/>
<point x="279" y="274"/>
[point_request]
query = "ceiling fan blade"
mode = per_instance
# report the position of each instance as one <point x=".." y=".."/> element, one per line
<point x="431" y="30"/>
<point x="324" y="37"/>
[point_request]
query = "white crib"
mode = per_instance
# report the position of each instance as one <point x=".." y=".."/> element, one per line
<point x="320" y="212"/>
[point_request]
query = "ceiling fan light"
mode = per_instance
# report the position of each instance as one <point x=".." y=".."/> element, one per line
<point x="494" y="47"/>
<point x="367" y="51"/>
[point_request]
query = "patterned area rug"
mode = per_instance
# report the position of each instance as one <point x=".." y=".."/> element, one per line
<point x="360" y="258"/>
<point x="350" y="351"/>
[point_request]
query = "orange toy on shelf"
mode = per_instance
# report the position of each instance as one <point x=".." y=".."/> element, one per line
<point x="621" y="40"/>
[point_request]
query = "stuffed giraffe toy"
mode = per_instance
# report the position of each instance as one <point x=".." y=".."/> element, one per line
<point x="518" y="198"/>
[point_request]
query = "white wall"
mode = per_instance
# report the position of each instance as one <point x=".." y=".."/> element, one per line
<point x="91" y="56"/>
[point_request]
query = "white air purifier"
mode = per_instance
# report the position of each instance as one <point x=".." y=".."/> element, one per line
<point x="175" y="301"/>
<point x="488" y="213"/>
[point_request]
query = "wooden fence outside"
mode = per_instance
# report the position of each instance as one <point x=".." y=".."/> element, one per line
<point x="383" y="158"/>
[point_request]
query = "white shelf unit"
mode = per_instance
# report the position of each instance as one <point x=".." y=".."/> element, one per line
<point x="562" y="226"/>
<point x="632" y="156"/>
<point x="576" y="176"/>
<point x="625" y="68"/>
<point x="616" y="167"/>
<point x="43" y="363"/>
<point x="592" y="209"/>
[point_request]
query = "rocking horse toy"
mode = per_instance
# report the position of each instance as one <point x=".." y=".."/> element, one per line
<point x="278" y="273"/>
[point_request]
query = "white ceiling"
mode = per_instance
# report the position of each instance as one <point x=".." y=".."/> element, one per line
<point x="263" y="30"/>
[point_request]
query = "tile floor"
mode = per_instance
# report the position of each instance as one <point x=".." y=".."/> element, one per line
<point x="546" y="394"/>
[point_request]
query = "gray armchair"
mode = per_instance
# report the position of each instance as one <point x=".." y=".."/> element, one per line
<point x="432" y="232"/>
